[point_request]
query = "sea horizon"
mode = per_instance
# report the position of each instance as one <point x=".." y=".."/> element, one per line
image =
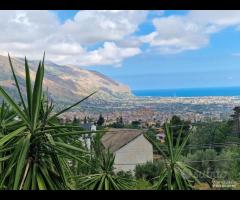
<point x="189" y="92"/>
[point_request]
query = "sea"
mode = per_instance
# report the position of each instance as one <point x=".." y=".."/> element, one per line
<point x="189" y="92"/>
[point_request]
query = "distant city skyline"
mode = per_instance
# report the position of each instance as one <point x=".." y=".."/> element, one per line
<point x="143" y="49"/>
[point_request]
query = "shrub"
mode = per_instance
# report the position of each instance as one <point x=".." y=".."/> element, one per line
<point x="142" y="184"/>
<point x="125" y="174"/>
<point x="201" y="160"/>
<point x="149" y="170"/>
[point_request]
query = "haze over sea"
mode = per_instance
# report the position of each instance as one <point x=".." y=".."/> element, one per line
<point x="190" y="92"/>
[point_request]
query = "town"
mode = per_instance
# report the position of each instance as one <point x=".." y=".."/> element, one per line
<point x="154" y="111"/>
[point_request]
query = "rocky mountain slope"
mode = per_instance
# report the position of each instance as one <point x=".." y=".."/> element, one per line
<point x="65" y="84"/>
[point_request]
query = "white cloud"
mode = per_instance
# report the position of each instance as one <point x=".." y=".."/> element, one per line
<point x="94" y="26"/>
<point x="218" y="18"/>
<point x="175" y="34"/>
<point x="109" y="54"/>
<point x="31" y="32"/>
<point x="27" y="26"/>
<point x="192" y="31"/>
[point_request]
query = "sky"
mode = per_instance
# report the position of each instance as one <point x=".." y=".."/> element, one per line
<point x="143" y="49"/>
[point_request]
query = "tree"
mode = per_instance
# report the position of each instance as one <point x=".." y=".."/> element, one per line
<point x="76" y="121"/>
<point x="236" y="119"/>
<point x="229" y="167"/>
<point x="210" y="133"/>
<point x="136" y="124"/>
<point x="85" y="120"/>
<point x="120" y="120"/>
<point x="178" y="126"/>
<point x="119" y="123"/>
<point x="203" y="161"/>
<point x="101" y="120"/>
<point x="151" y="133"/>
<point x="224" y="166"/>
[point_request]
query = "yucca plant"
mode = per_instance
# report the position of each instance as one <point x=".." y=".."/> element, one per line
<point x="104" y="178"/>
<point x="35" y="155"/>
<point x="176" y="174"/>
<point x="8" y="119"/>
<point x="7" y="123"/>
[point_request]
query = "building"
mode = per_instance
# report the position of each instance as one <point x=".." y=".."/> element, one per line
<point x="129" y="146"/>
<point x="93" y="127"/>
<point x="86" y="138"/>
<point x="89" y="126"/>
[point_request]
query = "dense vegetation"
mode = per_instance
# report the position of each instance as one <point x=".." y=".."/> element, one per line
<point x="212" y="149"/>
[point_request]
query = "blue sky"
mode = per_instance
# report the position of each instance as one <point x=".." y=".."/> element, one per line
<point x="215" y="65"/>
<point x="143" y="49"/>
<point x="212" y="66"/>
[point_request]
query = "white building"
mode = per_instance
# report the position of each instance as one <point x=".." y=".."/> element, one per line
<point x="86" y="138"/>
<point x="93" y="127"/>
<point x="129" y="146"/>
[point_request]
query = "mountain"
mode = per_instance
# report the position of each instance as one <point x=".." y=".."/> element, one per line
<point x="65" y="83"/>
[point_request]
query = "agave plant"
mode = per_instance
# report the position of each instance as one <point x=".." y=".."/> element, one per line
<point x="176" y="174"/>
<point x="104" y="177"/>
<point x="35" y="154"/>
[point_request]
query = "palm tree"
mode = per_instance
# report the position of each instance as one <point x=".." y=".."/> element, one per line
<point x="35" y="154"/>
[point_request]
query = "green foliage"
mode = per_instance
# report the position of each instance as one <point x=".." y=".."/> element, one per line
<point x="201" y="160"/>
<point x="76" y="121"/>
<point x="211" y="133"/>
<point x="119" y="123"/>
<point x="178" y="127"/>
<point x="229" y="167"/>
<point x="104" y="177"/>
<point x="8" y="120"/>
<point x="85" y="120"/>
<point x="136" y="124"/>
<point x="236" y="120"/>
<point x="149" y="171"/>
<point x="151" y="133"/>
<point x="101" y="120"/>
<point x="142" y="184"/>
<point x="39" y="153"/>
<point x="99" y="174"/>
<point x="176" y="174"/>
<point x="223" y="166"/>
<point x="34" y="155"/>
<point x="125" y="174"/>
